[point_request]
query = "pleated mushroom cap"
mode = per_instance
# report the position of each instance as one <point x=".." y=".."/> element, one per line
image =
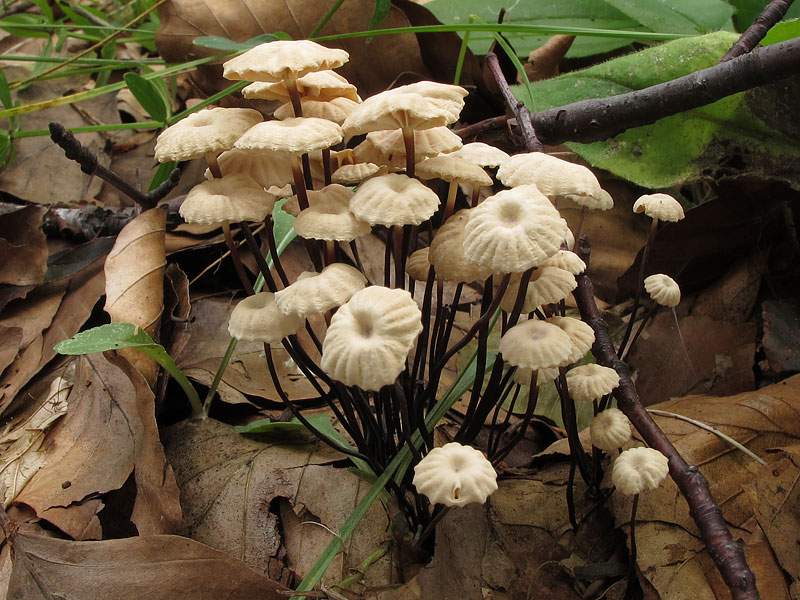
<point x="659" y="206"/>
<point x="663" y="289"/>
<point x="320" y="85"/>
<point x="333" y="109"/>
<point x="353" y="174"/>
<point x="555" y="177"/>
<point x="455" y="475"/>
<point x="447" y="252"/>
<point x="481" y="154"/>
<point x="394" y="199"/>
<point x="427" y="143"/>
<point x="230" y="198"/>
<point x="587" y="382"/>
<point x="257" y="318"/>
<point x="212" y="130"/>
<point x="610" y="429"/>
<point x="543" y="376"/>
<point x="317" y="293"/>
<point x="567" y="260"/>
<point x="449" y="168"/>
<point x="281" y="59"/>
<point x="370" y="336"/>
<point x="297" y="135"/>
<point x="418" y="265"/>
<point x="581" y="335"/>
<point x="448" y="98"/>
<point x="535" y="344"/>
<point x="328" y="216"/>
<point x="639" y="469"/>
<point x="266" y="168"/>
<point x="547" y="286"/>
<point x="513" y="230"/>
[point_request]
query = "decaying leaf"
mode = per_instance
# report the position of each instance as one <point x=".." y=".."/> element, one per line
<point x="781" y="332"/>
<point x="23" y="248"/>
<point x="157" y="567"/>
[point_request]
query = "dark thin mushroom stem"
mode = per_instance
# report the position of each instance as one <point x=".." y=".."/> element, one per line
<point x="255" y="250"/>
<point x="639" y="282"/>
<point x="237" y="261"/>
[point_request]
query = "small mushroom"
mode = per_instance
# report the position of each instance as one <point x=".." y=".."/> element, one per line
<point x="587" y="382"/>
<point x="663" y="289"/>
<point x="639" y="469"/>
<point x="610" y="429"/>
<point x="455" y="475"/>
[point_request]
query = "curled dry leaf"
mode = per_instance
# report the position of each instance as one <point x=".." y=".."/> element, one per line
<point x="157" y="567"/>
<point x="671" y="556"/>
<point x="23" y="247"/>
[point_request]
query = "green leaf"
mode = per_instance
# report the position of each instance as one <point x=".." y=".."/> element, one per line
<point x="220" y="43"/>
<point x="748" y="10"/>
<point x="382" y="8"/>
<point x="756" y="130"/>
<point x="5" y="146"/>
<point x="148" y="95"/>
<point x="162" y="174"/>
<point x="783" y="31"/>
<point x="25" y="19"/>
<point x="678" y="16"/>
<point x="5" y="91"/>
<point x="284" y="429"/>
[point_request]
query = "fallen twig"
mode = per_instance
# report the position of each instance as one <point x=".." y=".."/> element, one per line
<point x="772" y="13"/>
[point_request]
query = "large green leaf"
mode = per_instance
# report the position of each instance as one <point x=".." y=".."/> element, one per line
<point x="753" y="133"/>
<point x="678" y="16"/>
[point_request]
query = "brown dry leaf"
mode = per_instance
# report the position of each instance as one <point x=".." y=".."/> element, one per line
<point x="109" y="429"/>
<point x="135" y="280"/>
<point x="671" y="555"/>
<point x="733" y="296"/>
<point x="157" y="567"/>
<point x="231" y="489"/>
<point x="543" y="61"/>
<point x="23" y="247"/>
<point x="10" y="340"/>
<point x="372" y="67"/>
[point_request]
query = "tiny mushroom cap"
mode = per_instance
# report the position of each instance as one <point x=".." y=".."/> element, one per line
<point x="455" y="475"/>
<point x="418" y="265"/>
<point x="321" y="85"/>
<point x="258" y="318"/>
<point x="481" y="154"/>
<point x="334" y="109"/>
<point x="297" y="135"/>
<point x="353" y="174"/>
<point x="447" y="252"/>
<point x="328" y="216"/>
<point x="394" y="199"/>
<point x="547" y="286"/>
<point x="513" y="230"/>
<point x="449" y="98"/>
<point x="580" y="334"/>
<point x="535" y="344"/>
<point x="229" y="198"/>
<point x="638" y="469"/>
<point x="610" y="429"/>
<point x="555" y="177"/>
<point x="449" y="168"/>
<point x="317" y="293"/>
<point x="427" y="143"/>
<point x="283" y="59"/>
<point x="587" y="382"/>
<point x="567" y="260"/>
<point x="370" y="336"/>
<point x="212" y="130"/>
<point x="543" y="376"/>
<point x="664" y="290"/>
<point x="659" y="206"/>
<point x="268" y="168"/>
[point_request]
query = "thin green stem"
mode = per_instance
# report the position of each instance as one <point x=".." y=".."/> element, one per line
<point x="462" y="53"/>
<point x="324" y="20"/>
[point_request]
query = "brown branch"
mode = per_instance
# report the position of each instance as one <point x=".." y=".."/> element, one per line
<point x="772" y="13"/>
<point x="89" y="164"/>
<point x="517" y="107"/>
<point x="726" y="553"/>
<point x="602" y="118"/>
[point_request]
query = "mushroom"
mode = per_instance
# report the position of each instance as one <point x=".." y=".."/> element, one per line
<point x="447" y="252"/>
<point x="454" y="171"/>
<point x="258" y="318"/>
<point x="581" y="335"/>
<point x="663" y="289"/>
<point x="591" y="381"/>
<point x="455" y="475"/>
<point x="316" y="293"/>
<point x="548" y="285"/>
<point x="610" y="429"/>
<point x="319" y="85"/>
<point x="567" y="260"/>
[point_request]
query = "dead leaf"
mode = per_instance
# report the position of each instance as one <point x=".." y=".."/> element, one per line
<point x="733" y="296"/>
<point x="543" y="61"/>
<point x="373" y="65"/>
<point x="135" y="281"/>
<point x="781" y="332"/>
<point x="23" y="247"/>
<point x="229" y="488"/>
<point x="158" y="567"/>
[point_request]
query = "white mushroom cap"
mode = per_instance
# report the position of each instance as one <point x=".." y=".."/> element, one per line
<point x="266" y="167"/>
<point x="212" y="130"/>
<point x="567" y="260"/>
<point x="394" y="199"/>
<point x="664" y="290"/>
<point x="369" y="337"/>
<point x="282" y="59"/>
<point x="447" y="252"/>
<point x="316" y="293"/>
<point x="610" y="429"/>
<point x="297" y="135"/>
<point x="513" y="230"/>
<point x="352" y="174"/>
<point x="418" y="264"/>
<point x="427" y="143"/>
<point x="258" y="318"/>
<point x="451" y="168"/>
<point x="543" y="376"/>
<point x="535" y="344"/>
<point x="580" y="334"/>
<point x="320" y="85"/>
<point x="638" y="469"/>
<point x="455" y="475"/>
<point x="659" y="206"/>
<point x="333" y="109"/>
<point x="587" y="382"/>
<point x="230" y="198"/>
<point x="328" y="216"/>
<point x="547" y="286"/>
<point x="481" y="154"/>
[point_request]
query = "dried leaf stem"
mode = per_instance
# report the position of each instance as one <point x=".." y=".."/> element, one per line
<point x="726" y="553"/>
<point x="772" y="13"/>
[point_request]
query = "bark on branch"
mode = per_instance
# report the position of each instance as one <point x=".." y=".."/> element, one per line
<point x="772" y="13"/>
<point x="602" y="118"/>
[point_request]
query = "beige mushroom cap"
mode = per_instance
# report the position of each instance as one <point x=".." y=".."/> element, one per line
<point x="394" y="200"/>
<point x="328" y="216"/>
<point x="455" y="475"/>
<point x="353" y="174"/>
<point x="321" y="85"/>
<point x="427" y="143"/>
<point x="281" y="59"/>
<point x="481" y="154"/>
<point x="659" y="206"/>
<point x="535" y="344"/>
<point x="567" y="260"/>
<point x="449" y="168"/>
<point x="447" y="252"/>
<point x="638" y="469"/>
<point x="663" y="289"/>
<point x="513" y="230"/>
<point x="448" y="98"/>
<point x="212" y="130"/>
<point x="258" y="318"/>
<point x="418" y="265"/>
<point x="547" y="286"/>
<point x="267" y="168"/>
<point x="610" y="429"/>
<point x="587" y="382"/>
<point x="555" y="177"/>
<point x="543" y="376"/>
<point x="333" y="109"/>
<point x="370" y="336"/>
<point x="297" y="135"/>
<point x="317" y="293"/>
<point x="230" y="198"/>
<point x="581" y="335"/>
